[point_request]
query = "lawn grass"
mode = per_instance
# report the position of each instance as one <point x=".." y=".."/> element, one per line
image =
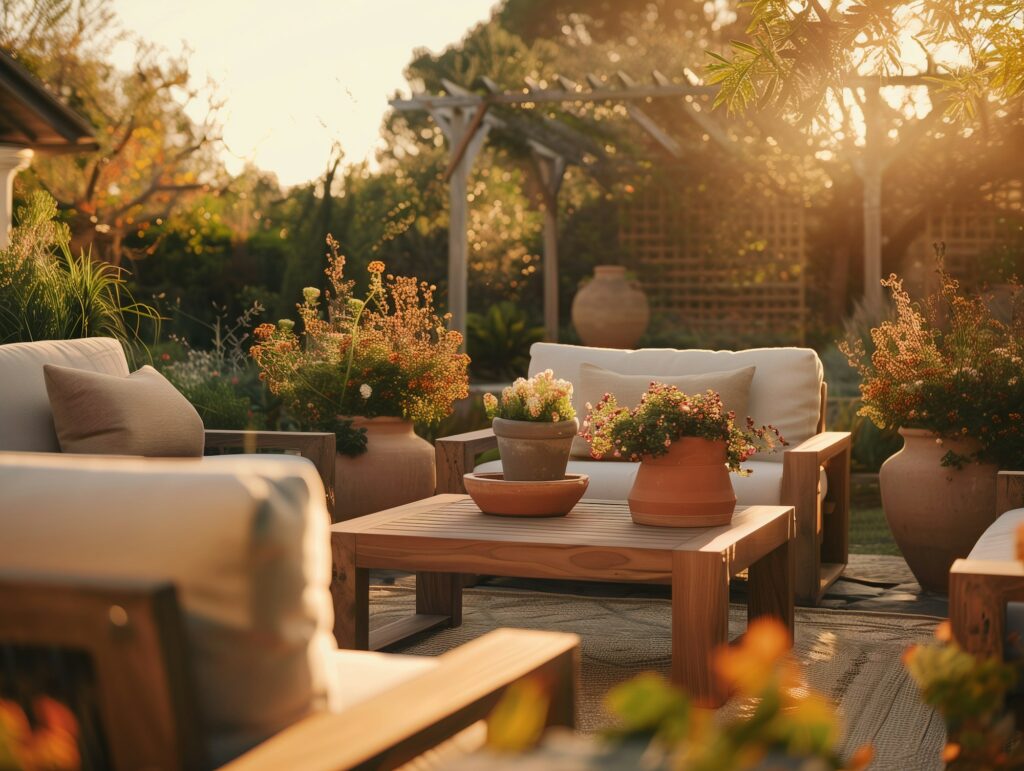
<point x="869" y="532"/>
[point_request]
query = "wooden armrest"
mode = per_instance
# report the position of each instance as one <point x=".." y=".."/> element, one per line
<point x="1009" y="491"/>
<point x="395" y="726"/>
<point x="978" y="593"/>
<point x="319" y="447"/>
<point x="823" y="446"/>
<point x="454" y="456"/>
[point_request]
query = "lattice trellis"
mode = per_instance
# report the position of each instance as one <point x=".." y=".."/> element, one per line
<point x="729" y="268"/>
<point x="973" y="230"/>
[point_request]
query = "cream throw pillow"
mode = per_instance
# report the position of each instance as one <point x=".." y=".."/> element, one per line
<point x="141" y="414"/>
<point x="733" y="386"/>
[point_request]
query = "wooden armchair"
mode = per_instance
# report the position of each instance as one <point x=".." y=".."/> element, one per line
<point x="26" y="423"/>
<point x="823" y="523"/>
<point x="979" y="590"/>
<point x="315" y="446"/>
<point x="117" y="656"/>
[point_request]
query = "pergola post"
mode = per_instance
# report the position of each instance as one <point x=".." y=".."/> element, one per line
<point x="465" y="132"/>
<point x="550" y="170"/>
<point x="871" y="178"/>
<point x="12" y="160"/>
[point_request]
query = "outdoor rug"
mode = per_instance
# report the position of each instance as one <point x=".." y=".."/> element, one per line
<point x="851" y="656"/>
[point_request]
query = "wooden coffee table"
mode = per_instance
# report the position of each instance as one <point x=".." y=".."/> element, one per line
<point x="442" y="537"/>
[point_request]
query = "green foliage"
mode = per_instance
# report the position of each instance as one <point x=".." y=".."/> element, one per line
<point x="949" y="366"/>
<point x="46" y="293"/>
<point x="776" y="721"/>
<point x="797" y="56"/>
<point x="665" y="415"/>
<point x="499" y="341"/>
<point x="384" y="353"/>
<point x="221" y="382"/>
<point x="970" y="693"/>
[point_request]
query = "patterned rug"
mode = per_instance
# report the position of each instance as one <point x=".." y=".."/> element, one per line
<point x="853" y="657"/>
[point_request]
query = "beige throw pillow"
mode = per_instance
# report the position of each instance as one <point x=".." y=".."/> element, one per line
<point x="733" y="386"/>
<point x="141" y="414"/>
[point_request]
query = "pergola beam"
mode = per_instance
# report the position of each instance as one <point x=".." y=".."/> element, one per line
<point x="645" y="121"/>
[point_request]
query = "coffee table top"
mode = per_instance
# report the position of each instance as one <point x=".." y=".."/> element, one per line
<point x="452" y="525"/>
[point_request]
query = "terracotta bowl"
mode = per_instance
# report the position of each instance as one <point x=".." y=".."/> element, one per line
<point x="553" y="498"/>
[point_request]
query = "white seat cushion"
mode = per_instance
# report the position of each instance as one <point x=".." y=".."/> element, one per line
<point x="785" y="391"/>
<point x="358" y="675"/>
<point x="999" y="543"/>
<point x="244" y="541"/>
<point x="611" y="480"/>
<point x="260" y="457"/>
<point x="26" y="424"/>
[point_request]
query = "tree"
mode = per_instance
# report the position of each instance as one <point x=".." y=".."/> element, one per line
<point x="152" y="155"/>
<point x="799" y="58"/>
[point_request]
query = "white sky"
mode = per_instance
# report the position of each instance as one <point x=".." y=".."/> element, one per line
<point x="299" y="74"/>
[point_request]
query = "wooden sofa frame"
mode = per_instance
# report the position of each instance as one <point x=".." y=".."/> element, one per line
<point x="979" y="590"/>
<point x="317" y="447"/>
<point x="823" y="526"/>
<point x="133" y="634"/>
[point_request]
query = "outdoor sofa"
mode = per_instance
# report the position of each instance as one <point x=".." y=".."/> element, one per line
<point x="986" y="590"/>
<point x="182" y="609"/>
<point x="26" y="421"/>
<point x="787" y="390"/>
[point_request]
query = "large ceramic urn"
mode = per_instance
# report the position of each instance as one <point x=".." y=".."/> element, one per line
<point x="936" y="513"/>
<point x="610" y="311"/>
<point x="689" y="486"/>
<point x="397" y="468"/>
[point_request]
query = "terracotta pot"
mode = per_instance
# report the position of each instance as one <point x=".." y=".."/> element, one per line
<point x="534" y="452"/>
<point x="397" y="468"/>
<point x="549" y="498"/>
<point x="936" y="513"/>
<point x="689" y="486"/>
<point x="610" y="311"/>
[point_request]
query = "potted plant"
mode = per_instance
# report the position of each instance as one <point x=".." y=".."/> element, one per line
<point x="950" y="377"/>
<point x="534" y="422"/>
<point x="368" y="368"/>
<point x="686" y="445"/>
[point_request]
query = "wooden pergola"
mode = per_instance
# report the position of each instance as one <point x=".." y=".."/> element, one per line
<point x="31" y="120"/>
<point x="467" y="117"/>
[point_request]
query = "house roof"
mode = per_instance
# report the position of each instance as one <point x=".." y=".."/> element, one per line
<point x="30" y="116"/>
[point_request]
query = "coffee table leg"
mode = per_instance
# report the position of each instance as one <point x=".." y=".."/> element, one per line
<point x="440" y="594"/>
<point x="700" y="622"/>
<point x="350" y="590"/>
<point x="770" y="586"/>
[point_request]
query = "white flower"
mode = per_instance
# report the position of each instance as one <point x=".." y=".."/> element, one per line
<point x="365" y="391"/>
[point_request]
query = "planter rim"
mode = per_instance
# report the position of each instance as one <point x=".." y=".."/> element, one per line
<point x="530" y="429"/>
<point x="916" y="432"/>
<point x="383" y="421"/>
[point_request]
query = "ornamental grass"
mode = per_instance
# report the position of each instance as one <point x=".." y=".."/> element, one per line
<point x="385" y="354"/>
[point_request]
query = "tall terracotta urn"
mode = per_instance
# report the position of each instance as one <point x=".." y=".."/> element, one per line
<point x="397" y="467"/>
<point x="936" y="513"/>
<point x="689" y="486"/>
<point x="610" y="311"/>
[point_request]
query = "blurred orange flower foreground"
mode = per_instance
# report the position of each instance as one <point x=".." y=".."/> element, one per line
<point x="50" y="745"/>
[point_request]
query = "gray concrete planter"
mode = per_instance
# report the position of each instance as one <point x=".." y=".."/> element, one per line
<point x="532" y="452"/>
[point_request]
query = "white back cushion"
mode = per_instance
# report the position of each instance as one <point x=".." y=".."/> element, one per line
<point x="785" y="391"/>
<point x="246" y="545"/>
<point x="26" y="424"/>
